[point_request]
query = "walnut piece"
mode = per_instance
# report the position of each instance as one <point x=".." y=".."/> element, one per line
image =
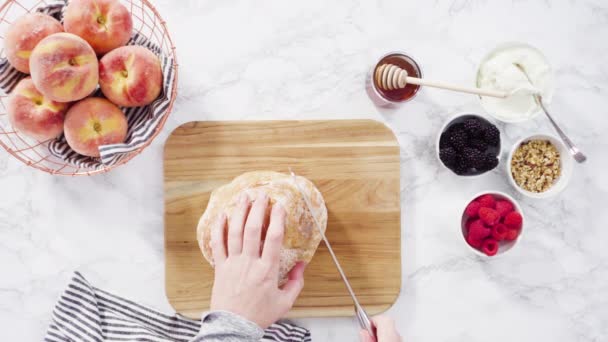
<point x="536" y="165"/>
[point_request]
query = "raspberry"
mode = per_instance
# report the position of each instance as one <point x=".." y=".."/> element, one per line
<point x="487" y="201"/>
<point x="499" y="232"/>
<point x="511" y="234"/>
<point x="489" y="247"/>
<point x="474" y="242"/>
<point x="503" y="208"/>
<point x="476" y="227"/>
<point x="489" y="216"/>
<point x="477" y="232"/>
<point x="513" y="220"/>
<point x="472" y="209"/>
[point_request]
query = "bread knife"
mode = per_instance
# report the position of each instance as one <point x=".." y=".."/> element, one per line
<point x="362" y="317"/>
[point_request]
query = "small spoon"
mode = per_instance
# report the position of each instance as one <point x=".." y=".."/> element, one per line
<point x="574" y="151"/>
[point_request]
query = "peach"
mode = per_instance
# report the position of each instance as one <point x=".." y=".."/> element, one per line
<point x="130" y="76"/>
<point x="93" y="122"/>
<point x="105" y="24"/>
<point x="64" y="67"/>
<point x="23" y="35"/>
<point x="34" y="115"/>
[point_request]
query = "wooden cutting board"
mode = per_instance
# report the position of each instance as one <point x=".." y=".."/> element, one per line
<point x="355" y="165"/>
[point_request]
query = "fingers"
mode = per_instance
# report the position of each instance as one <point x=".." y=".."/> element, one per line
<point x="253" y="226"/>
<point x="385" y="329"/>
<point x="237" y="222"/>
<point x="218" y="245"/>
<point x="274" y="236"/>
<point x="295" y="284"/>
<point x="366" y="337"/>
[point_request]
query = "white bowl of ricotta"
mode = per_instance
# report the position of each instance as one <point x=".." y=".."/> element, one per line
<point x="501" y="70"/>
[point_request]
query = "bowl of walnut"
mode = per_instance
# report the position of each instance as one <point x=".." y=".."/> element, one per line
<point x="539" y="166"/>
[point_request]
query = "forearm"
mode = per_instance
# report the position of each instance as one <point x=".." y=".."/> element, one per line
<point x="227" y="327"/>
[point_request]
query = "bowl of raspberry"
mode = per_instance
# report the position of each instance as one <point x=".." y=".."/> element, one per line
<point x="469" y="145"/>
<point x="492" y="223"/>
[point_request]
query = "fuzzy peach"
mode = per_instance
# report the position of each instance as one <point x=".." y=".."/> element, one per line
<point x="93" y="122"/>
<point x="64" y="67"/>
<point x="130" y="76"/>
<point x="34" y="115"/>
<point x="23" y="35"/>
<point x="105" y="24"/>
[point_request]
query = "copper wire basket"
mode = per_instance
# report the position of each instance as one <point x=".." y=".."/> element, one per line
<point x="146" y="21"/>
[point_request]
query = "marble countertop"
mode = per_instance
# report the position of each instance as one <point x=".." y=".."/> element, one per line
<point x="309" y="60"/>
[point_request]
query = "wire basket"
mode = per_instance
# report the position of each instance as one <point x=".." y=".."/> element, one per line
<point x="147" y="22"/>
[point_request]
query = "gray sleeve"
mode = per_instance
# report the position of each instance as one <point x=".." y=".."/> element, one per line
<point x="227" y="327"/>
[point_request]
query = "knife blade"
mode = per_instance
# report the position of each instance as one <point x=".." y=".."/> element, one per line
<point x="362" y="317"/>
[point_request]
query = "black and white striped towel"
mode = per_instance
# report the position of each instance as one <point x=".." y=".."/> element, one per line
<point x="143" y="121"/>
<point x="86" y="313"/>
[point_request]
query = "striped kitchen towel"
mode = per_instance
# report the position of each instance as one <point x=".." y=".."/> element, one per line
<point x="143" y="121"/>
<point x="86" y="313"/>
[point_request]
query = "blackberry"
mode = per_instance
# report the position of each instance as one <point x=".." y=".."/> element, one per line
<point x="444" y="140"/>
<point x="489" y="162"/>
<point x="457" y="126"/>
<point x="478" y="144"/>
<point x="448" y="156"/>
<point x="453" y="136"/>
<point x="491" y="135"/>
<point x="461" y="168"/>
<point x="473" y="127"/>
<point x="473" y="158"/>
<point x="458" y="139"/>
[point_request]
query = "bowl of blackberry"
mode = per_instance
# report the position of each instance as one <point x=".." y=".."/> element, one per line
<point x="469" y="145"/>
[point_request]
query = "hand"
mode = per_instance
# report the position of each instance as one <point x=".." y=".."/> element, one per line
<point x="385" y="331"/>
<point x="246" y="280"/>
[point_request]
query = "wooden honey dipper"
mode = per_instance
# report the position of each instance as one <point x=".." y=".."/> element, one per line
<point x="392" y="77"/>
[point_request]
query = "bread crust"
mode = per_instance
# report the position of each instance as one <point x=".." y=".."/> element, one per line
<point x="301" y="236"/>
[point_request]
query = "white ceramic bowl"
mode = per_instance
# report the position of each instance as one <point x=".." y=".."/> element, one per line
<point x="567" y="164"/>
<point x="445" y="126"/>
<point x="504" y="246"/>
<point x="547" y="96"/>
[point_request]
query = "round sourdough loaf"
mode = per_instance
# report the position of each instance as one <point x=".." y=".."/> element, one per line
<point x="301" y="236"/>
